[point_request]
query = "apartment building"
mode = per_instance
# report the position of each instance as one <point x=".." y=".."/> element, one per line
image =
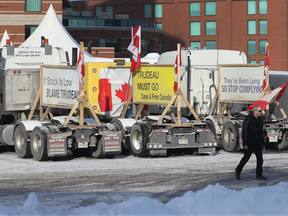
<point x="245" y="25"/>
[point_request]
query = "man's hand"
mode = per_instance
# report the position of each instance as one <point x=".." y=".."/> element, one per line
<point x="246" y="147"/>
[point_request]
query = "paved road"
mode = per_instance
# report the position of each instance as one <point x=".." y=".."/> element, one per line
<point x="80" y="181"/>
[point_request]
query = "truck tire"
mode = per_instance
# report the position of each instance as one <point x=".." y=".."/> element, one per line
<point x="139" y="138"/>
<point x="230" y="137"/>
<point x="98" y="151"/>
<point x="284" y="143"/>
<point x="210" y="125"/>
<point x="21" y="145"/>
<point x="38" y="143"/>
<point x="125" y="142"/>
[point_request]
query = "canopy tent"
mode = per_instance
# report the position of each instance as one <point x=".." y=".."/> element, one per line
<point x="53" y="30"/>
<point x="4" y="38"/>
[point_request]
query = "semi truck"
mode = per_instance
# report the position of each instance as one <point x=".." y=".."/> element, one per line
<point x="160" y="135"/>
<point x="44" y="136"/>
<point x="224" y="76"/>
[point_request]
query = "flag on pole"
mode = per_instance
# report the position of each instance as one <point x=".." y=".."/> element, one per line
<point x="266" y="65"/>
<point x="176" y="70"/>
<point x="135" y="48"/>
<point x="81" y="68"/>
<point x="269" y="98"/>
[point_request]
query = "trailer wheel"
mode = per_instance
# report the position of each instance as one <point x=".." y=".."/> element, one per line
<point x="38" y="143"/>
<point x="138" y="139"/>
<point x="229" y="136"/>
<point x="210" y="125"/>
<point x="21" y="145"/>
<point x="98" y="151"/>
<point x="284" y="143"/>
<point x="126" y="149"/>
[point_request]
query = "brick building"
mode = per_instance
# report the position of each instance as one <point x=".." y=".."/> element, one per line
<point x="21" y="18"/>
<point x="223" y="24"/>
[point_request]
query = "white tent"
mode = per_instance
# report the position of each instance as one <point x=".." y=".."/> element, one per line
<point x="53" y="30"/>
<point x="4" y="38"/>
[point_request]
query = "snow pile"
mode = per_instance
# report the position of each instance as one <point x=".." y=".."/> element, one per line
<point x="213" y="200"/>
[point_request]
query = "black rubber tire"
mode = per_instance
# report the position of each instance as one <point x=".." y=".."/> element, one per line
<point x="38" y="143"/>
<point x="110" y="156"/>
<point x="139" y="138"/>
<point x="210" y="125"/>
<point x="284" y="143"/>
<point x="21" y="145"/>
<point x="125" y="143"/>
<point x="230" y="137"/>
<point x="98" y="151"/>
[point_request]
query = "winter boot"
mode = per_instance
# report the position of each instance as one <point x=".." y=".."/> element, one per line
<point x="237" y="175"/>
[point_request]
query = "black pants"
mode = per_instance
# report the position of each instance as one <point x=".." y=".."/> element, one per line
<point x="247" y="154"/>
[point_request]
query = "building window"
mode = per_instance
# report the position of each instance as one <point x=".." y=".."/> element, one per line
<point x="262" y="6"/>
<point x="262" y="47"/>
<point x="195" y="29"/>
<point x="160" y="47"/>
<point x="210" y="8"/>
<point x="210" y="28"/>
<point x="147" y="10"/>
<point x="195" y="45"/>
<point x="158" y="26"/>
<point x="98" y="10"/>
<point x="262" y="26"/>
<point x="253" y="61"/>
<point x="29" y="29"/>
<point x="158" y="10"/>
<point x="145" y="47"/>
<point x="195" y="9"/>
<point x="109" y="9"/>
<point x="251" y="47"/>
<point x="210" y="44"/>
<point x="251" y="7"/>
<point x="261" y="61"/>
<point x="33" y="5"/>
<point x="251" y="27"/>
<point x="110" y="42"/>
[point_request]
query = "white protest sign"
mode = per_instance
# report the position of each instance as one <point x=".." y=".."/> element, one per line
<point x="60" y="86"/>
<point x="241" y="83"/>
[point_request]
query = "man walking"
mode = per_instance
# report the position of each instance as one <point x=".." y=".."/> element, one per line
<point x="253" y="141"/>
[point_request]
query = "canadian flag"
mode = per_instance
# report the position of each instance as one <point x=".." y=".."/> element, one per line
<point x="81" y="68"/>
<point x="135" y="48"/>
<point x="113" y="90"/>
<point x="272" y="96"/>
<point x="266" y="65"/>
<point x="176" y="70"/>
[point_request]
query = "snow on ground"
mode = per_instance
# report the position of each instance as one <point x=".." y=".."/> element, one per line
<point x="213" y="200"/>
<point x="270" y="199"/>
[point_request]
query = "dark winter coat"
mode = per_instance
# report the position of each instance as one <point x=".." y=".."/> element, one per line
<point x="252" y="130"/>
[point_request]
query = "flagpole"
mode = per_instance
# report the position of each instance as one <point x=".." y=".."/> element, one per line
<point x="178" y="84"/>
<point x="267" y="83"/>
<point x="81" y="88"/>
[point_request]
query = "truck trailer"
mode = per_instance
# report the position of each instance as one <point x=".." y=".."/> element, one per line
<point x="51" y="136"/>
<point x="203" y="73"/>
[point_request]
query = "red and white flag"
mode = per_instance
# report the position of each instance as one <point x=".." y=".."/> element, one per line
<point x="135" y="48"/>
<point x="176" y="70"/>
<point x="269" y="98"/>
<point x="266" y="65"/>
<point x="81" y="68"/>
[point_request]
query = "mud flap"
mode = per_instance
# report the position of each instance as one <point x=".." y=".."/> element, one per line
<point x="57" y="144"/>
<point x="112" y="142"/>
